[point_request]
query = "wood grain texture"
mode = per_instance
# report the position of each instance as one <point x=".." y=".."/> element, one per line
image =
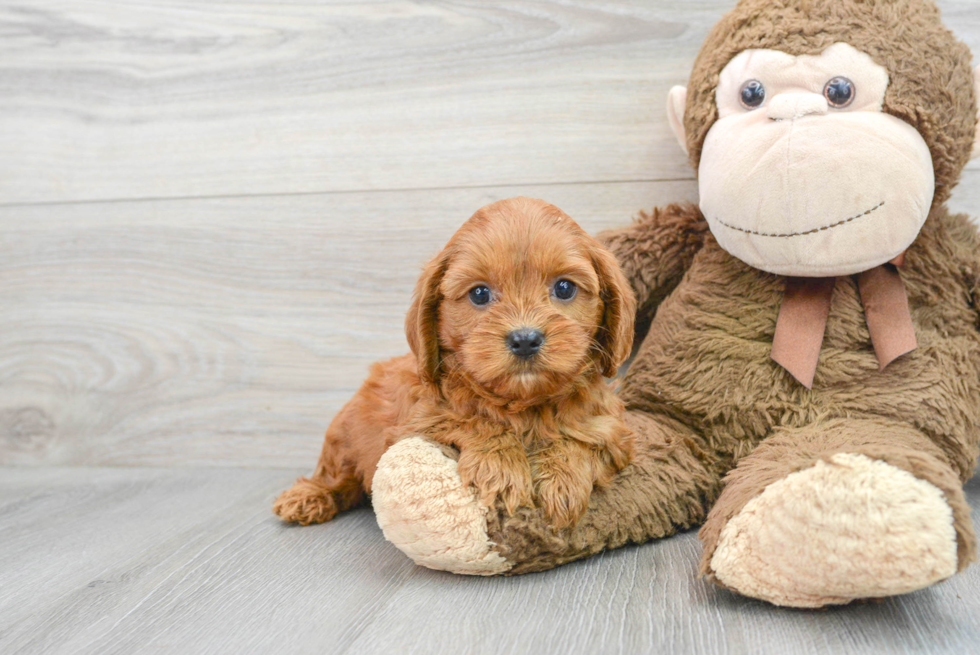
<point x="177" y="98"/>
<point x="191" y="561"/>
<point x="211" y="217"/>
<point x="220" y="332"/>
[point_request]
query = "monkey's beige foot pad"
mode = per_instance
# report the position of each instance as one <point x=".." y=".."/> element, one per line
<point x="848" y="528"/>
<point x="424" y="509"/>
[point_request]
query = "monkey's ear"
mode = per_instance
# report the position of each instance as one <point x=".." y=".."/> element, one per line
<point x="676" y="101"/>
<point x="976" y="139"/>
<point x="422" y="320"/>
<point x="615" y="338"/>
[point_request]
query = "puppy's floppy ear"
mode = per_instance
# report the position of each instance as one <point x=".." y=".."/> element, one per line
<point x="422" y="320"/>
<point x="615" y="335"/>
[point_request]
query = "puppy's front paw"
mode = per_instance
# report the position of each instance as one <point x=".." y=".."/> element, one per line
<point x="501" y="472"/>
<point x="564" y="495"/>
<point x="564" y="474"/>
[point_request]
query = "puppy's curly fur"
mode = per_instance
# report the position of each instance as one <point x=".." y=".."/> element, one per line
<point x="544" y="427"/>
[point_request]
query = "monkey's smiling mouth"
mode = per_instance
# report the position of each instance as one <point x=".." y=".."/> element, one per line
<point x="799" y="234"/>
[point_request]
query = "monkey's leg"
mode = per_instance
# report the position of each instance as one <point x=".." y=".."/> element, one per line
<point x="335" y="485"/>
<point x="836" y="511"/>
<point x="425" y="510"/>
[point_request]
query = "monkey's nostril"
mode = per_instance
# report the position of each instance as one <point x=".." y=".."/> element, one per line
<point x="525" y="342"/>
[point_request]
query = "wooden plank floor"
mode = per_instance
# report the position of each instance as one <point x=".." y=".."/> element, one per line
<point x="211" y="217"/>
<point x="189" y="560"/>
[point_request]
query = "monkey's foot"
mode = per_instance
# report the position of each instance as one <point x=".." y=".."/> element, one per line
<point x="848" y="528"/>
<point x="426" y="511"/>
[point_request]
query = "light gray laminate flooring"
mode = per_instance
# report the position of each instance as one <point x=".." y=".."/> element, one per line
<point x="180" y="560"/>
<point x="212" y="214"/>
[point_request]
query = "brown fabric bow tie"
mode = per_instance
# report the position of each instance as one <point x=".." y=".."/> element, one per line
<point x="806" y="305"/>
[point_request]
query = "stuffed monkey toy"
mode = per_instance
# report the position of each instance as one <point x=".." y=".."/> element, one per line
<point x="809" y="387"/>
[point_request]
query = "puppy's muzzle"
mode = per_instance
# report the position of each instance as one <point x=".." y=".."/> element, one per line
<point x="525" y="342"/>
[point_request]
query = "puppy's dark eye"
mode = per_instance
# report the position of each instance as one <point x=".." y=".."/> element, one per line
<point x="752" y="94"/>
<point x="565" y="289"/>
<point x="839" y="92"/>
<point x="480" y="295"/>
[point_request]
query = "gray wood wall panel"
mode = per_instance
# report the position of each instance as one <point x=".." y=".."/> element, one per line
<point x="227" y="329"/>
<point x="220" y="332"/>
<point x="176" y="98"/>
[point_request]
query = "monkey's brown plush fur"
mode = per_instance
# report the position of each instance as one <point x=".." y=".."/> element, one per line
<point x="717" y="420"/>
<point x="703" y="392"/>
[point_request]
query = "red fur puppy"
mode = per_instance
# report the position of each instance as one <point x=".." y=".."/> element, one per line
<point x="512" y="327"/>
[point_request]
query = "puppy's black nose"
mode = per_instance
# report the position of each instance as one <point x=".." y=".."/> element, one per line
<point x="525" y="342"/>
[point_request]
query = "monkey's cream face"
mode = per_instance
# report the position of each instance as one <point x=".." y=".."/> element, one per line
<point x="802" y="174"/>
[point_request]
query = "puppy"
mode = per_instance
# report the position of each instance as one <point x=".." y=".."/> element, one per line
<point x="512" y="328"/>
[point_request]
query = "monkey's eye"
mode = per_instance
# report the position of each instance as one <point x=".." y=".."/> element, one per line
<point x="839" y="92"/>
<point x="752" y="94"/>
<point x="565" y="289"/>
<point x="480" y="295"/>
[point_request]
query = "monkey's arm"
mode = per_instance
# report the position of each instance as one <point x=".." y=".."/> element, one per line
<point x="959" y="239"/>
<point x="656" y="250"/>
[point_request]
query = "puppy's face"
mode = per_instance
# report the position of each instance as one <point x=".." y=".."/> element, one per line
<point x="526" y="300"/>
